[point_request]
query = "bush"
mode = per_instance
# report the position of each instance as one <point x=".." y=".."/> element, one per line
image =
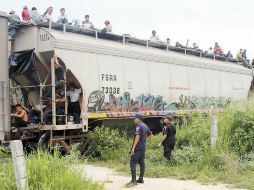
<point x="237" y="130"/>
<point x="107" y="144"/>
<point x="197" y="133"/>
<point x="187" y="155"/>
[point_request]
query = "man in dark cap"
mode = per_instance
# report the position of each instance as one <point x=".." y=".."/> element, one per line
<point x="138" y="149"/>
<point x="168" y="138"/>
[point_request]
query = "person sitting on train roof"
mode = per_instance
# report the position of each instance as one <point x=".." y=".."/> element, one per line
<point x="210" y="51"/>
<point x="239" y="56"/>
<point x="47" y="16"/>
<point x="154" y="37"/>
<point x="25" y="14"/>
<point x="20" y="117"/>
<point x="74" y="94"/>
<point x="217" y="49"/>
<point x="195" y="47"/>
<point x="178" y="45"/>
<point x="87" y="24"/>
<point x="229" y="55"/>
<point x="246" y="61"/>
<point x="12" y="19"/>
<point x="76" y="23"/>
<point x="108" y="27"/>
<point x="242" y="59"/>
<point x="244" y="55"/>
<point x="252" y="63"/>
<point x="168" y="43"/>
<point x="62" y="18"/>
<point x="35" y="17"/>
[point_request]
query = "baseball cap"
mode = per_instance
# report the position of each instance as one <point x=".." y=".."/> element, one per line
<point x="139" y="116"/>
<point x="169" y="117"/>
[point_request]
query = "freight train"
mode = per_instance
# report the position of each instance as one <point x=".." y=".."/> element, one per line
<point x="119" y="76"/>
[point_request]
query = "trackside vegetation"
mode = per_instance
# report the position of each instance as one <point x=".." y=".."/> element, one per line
<point x="231" y="161"/>
<point x="48" y="171"/>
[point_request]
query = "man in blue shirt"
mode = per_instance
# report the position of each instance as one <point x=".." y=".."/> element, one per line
<point x="138" y="148"/>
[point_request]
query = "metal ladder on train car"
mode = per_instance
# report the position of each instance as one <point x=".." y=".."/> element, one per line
<point x="60" y="141"/>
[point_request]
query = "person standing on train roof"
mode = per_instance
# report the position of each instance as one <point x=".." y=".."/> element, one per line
<point x="74" y="109"/>
<point x="168" y="138"/>
<point x="138" y="149"/>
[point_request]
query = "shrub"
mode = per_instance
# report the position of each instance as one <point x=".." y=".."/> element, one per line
<point x="237" y="130"/>
<point x="187" y="155"/>
<point x="196" y="133"/>
<point x="107" y="144"/>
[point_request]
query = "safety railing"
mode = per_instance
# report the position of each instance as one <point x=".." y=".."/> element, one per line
<point x="125" y="39"/>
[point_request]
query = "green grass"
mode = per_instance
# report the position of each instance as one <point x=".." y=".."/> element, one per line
<point x="231" y="161"/>
<point x="46" y="171"/>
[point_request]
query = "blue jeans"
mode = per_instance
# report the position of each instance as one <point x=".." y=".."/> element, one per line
<point x="12" y="31"/>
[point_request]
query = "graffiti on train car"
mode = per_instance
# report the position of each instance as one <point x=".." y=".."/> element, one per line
<point x="97" y="102"/>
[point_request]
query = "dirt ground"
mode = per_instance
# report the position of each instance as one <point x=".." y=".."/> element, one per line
<point x="113" y="181"/>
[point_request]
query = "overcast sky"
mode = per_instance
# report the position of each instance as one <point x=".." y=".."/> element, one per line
<point x="229" y="22"/>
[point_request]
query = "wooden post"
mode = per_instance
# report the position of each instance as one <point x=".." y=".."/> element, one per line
<point x="19" y="164"/>
<point x="214" y="130"/>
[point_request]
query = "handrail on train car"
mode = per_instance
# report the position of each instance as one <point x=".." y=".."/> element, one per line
<point x="148" y="43"/>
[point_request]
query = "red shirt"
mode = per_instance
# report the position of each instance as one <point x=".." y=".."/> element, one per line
<point x="218" y="51"/>
<point x="25" y="15"/>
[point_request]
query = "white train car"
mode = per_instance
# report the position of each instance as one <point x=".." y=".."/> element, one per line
<point x="120" y="75"/>
<point x="124" y="77"/>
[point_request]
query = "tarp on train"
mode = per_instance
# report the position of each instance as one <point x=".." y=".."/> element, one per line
<point x="22" y="62"/>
